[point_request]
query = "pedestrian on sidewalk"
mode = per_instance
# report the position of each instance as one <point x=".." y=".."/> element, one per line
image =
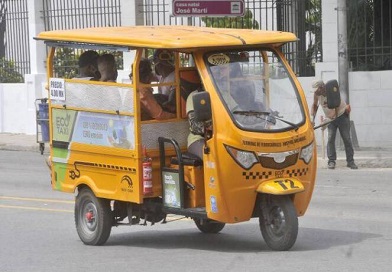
<point x="340" y="120"/>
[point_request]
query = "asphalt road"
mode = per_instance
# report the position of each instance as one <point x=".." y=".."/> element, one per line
<point x="346" y="228"/>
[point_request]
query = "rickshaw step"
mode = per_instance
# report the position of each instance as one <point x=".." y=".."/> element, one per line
<point x="190" y="212"/>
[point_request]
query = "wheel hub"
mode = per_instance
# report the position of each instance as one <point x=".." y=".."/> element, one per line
<point x="89" y="216"/>
<point x="277" y="221"/>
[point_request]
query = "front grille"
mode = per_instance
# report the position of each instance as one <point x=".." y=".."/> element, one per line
<point x="269" y="162"/>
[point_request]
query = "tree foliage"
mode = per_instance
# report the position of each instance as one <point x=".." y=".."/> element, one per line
<point x="9" y="73"/>
<point x="313" y="29"/>
<point x="65" y="63"/>
<point x="246" y="22"/>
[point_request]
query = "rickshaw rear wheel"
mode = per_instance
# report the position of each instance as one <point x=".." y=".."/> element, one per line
<point x="278" y="222"/>
<point x="208" y="226"/>
<point x="93" y="218"/>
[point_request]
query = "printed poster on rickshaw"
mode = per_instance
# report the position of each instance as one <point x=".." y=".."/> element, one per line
<point x="105" y="130"/>
<point x="171" y="184"/>
<point x="93" y="128"/>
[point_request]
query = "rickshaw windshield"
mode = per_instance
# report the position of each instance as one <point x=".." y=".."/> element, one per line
<point x="256" y="89"/>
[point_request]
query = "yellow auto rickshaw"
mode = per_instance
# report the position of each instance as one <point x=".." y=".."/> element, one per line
<point x="259" y="152"/>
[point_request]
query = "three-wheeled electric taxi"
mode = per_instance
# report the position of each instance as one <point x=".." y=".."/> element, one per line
<point x="258" y="147"/>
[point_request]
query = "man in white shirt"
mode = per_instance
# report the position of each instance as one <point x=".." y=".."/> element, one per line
<point x="341" y="121"/>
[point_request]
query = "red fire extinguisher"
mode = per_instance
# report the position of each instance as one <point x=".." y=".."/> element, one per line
<point x="147" y="173"/>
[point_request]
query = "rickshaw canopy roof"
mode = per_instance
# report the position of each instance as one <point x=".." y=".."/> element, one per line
<point x="171" y="37"/>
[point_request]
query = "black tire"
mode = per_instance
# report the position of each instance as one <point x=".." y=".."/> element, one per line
<point x="93" y="218"/>
<point x="278" y="222"/>
<point x="209" y="226"/>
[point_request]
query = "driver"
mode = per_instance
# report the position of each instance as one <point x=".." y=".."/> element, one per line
<point x="244" y="96"/>
<point x="243" y="93"/>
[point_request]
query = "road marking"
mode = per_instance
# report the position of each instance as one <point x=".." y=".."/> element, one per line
<point x="34" y="208"/>
<point x="37" y="199"/>
<point x="175" y="217"/>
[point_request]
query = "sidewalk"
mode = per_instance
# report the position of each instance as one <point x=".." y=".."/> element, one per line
<point x="19" y="142"/>
<point x="365" y="157"/>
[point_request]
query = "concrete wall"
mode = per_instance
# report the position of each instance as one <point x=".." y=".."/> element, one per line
<point x="17" y="110"/>
<point x="371" y="100"/>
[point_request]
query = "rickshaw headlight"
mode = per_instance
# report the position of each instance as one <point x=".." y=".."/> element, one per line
<point x="245" y="159"/>
<point x="307" y="153"/>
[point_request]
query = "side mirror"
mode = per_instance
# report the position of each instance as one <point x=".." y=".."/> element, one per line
<point x="202" y="106"/>
<point x="333" y="94"/>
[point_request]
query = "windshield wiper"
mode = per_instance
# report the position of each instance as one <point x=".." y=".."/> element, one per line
<point x="285" y="121"/>
<point x="271" y="117"/>
<point x="252" y="113"/>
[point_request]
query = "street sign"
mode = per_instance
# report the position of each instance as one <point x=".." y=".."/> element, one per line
<point x="188" y="8"/>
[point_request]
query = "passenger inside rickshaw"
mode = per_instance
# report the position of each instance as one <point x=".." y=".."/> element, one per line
<point x="106" y="64"/>
<point x="152" y="105"/>
<point x="164" y="67"/>
<point x="88" y="68"/>
<point x="160" y="102"/>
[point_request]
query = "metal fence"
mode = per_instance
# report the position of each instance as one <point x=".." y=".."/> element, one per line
<point x="14" y="41"/>
<point x="369" y="35"/>
<point x="60" y="14"/>
<point x="300" y="17"/>
<point x="56" y="14"/>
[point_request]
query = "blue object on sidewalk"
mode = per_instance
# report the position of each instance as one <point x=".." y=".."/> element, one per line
<point x="43" y="116"/>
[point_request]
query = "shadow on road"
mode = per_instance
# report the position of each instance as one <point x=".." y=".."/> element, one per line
<point x="234" y="238"/>
<point x="320" y="239"/>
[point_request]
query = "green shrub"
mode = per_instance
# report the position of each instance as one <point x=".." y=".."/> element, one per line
<point x="9" y="73"/>
<point x="245" y="22"/>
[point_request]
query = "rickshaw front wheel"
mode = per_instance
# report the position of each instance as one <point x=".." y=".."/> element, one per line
<point x="208" y="226"/>
<point x="93" y="218"/>
<point x="278" y="222"/>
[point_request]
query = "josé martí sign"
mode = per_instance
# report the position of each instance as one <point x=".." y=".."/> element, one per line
<point x="209" y="8"/>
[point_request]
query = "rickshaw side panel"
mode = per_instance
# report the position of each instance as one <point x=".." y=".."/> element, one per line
<point x="94" y="145"/>
<point x="109" y="173"/>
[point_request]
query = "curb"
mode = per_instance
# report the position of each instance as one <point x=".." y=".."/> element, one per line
<point x="18" y="148"/>
<point x="360" y="162"/>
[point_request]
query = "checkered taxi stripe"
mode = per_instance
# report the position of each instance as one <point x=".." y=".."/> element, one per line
<point x="297" y="172"/>
<point x="257" y="175"/>
<point x="267" y="174"/>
